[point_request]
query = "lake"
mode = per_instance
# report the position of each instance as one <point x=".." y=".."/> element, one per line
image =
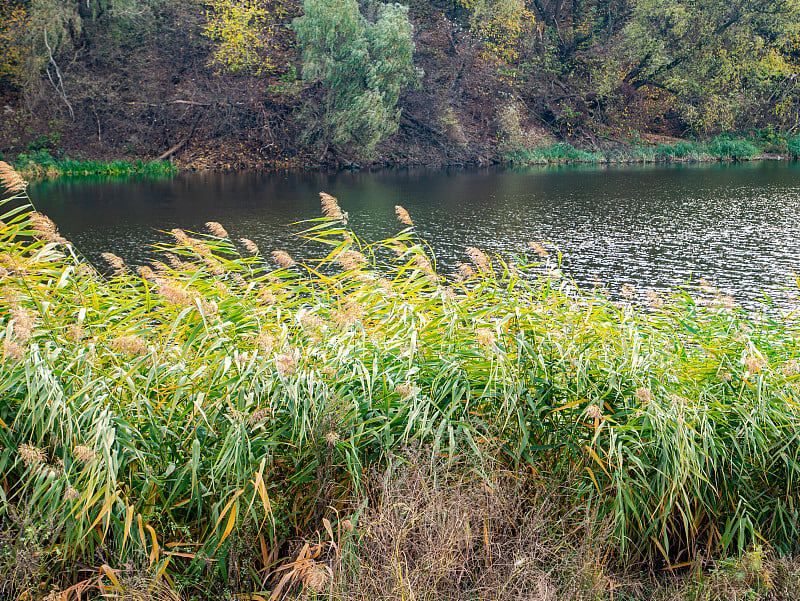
<point x="736" y="225"/>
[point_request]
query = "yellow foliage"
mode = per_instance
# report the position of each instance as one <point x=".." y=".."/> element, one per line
<point x="11" y="27"/>
<point x="502" y="25"/>
<point x="241" y="29"/>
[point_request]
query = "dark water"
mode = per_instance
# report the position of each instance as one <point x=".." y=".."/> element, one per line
<point x="736" y="225"/>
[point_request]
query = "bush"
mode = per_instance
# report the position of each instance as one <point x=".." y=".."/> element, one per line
<point x="731" y="149"/>
<point x="681" y="150"/>
<point x="361" y="69"/>
<point x="793" y="145"/>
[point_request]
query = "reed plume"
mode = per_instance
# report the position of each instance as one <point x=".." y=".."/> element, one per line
<point x="10" y="179"/>
<point x="350" y="259"/>
<point x="116" y="263"/>
<point x="216" y="229"/>
<point x="45" y="229"/>
<point x="330" y="206"/>
<point x="538" y="249"/>
<point x="478" y="258"/>
<point x="403" y="216"/>
<point x="283" y="259"/>
<point x="251" y="246"/>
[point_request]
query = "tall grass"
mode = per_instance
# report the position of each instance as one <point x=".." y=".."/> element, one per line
<point x="43" y="164"/>
<point x="720" y="148"/>
<point x="192" y="416"/>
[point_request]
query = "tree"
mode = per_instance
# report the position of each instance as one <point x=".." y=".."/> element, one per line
<point x="357" y="71"/>
<point x="726" y="63"/>
<point x="240" y="29"/>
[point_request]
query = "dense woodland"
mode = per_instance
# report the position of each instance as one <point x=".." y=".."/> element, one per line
<point x="248" y="83"/>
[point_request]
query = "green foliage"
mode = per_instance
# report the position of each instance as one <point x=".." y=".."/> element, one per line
<point x="681" y="150"/>
<point x="726" y="148"/>
<point x="43" y="164"/>
<point x="793" y="144"/>
<point x="723" y="62"/>
<point x="359" y="69"/>
<point x="173" y="417"/>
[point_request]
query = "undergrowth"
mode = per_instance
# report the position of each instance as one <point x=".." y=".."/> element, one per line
<point x="721" y="148"/>
<point x="181" y="426"/>
<point x="43" y="164"/>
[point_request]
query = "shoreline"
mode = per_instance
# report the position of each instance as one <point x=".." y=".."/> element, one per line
<point x="45" y="166"/>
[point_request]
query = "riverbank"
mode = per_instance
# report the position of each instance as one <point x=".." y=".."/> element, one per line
<point x="660" y="150"/>
<point x="229" y="421"/>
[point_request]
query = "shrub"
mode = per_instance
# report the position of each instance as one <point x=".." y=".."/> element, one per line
<point x="793" y="145"/>
<point x="361" y="69"/>
<point x="729" y="148"/>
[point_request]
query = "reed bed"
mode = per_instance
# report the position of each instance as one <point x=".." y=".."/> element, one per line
<point x="42" y="164"/>
<point x="186" y="419"/>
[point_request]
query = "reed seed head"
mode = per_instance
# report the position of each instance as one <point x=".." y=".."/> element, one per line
<point x="316" y="578"/>
<point x="116" y="263"/>
<point x="12" y="351"/>
<point x="538" y="249"/>
<point x="478" y="258"/>
<point x="76" y="333"/>
<point x="754" y="364"/>
<point x="266" y="342"/>
<point x="286" y="363"/>
<point x="283" y="259"/>
<point x="259" y="416"/>
<point x="146" y="273"/>
<point x="216" y="229"/>
<point x="485" y="336"/>
<point x="403" y="216"/>
<point x="628" y="291"/>
<point x="180" y="236"/>
<point x="644" y="395"/>
<point x="10" y="179"/>
<point x="251" y="246"/>
<point x="176" y="263"/>
<point x="45" y="229"/>
<point x="594" y="412"/>
<point x="84" y="454"/>
<point x="654" y="300"/>
<point x="405" y="390"/>
<point x="350" y="259"/>
<point x="131" y="346"/>
<point x="465" y="271"/>
<point x="23" y="323"/>
<point x="330" y="206"/>
<point x="174" y="294"/>
<point x="31" y="456"/>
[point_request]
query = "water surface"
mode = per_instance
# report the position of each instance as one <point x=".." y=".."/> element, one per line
<point x="658" y="226"/>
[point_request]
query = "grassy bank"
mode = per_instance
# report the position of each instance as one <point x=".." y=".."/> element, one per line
<point x="721" y="148"/>
<point x="42" y="164"/>
<point x="229" y="421"/>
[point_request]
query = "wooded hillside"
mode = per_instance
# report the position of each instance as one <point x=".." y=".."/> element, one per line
<point x="247" y="83"/>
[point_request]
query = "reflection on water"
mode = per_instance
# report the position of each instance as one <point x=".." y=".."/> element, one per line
<point x="736" y="225"/>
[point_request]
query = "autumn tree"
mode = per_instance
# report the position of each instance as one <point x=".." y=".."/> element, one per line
<point x="355" y="70"/>
<point x="240" y="30"/>
<point x="725" y="62"/>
